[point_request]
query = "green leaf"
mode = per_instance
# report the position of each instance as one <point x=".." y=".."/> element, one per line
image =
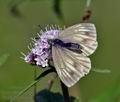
<point x="33" y="83"/>
<point x="14" y="7"/>
<point x="14" y="10"/>
<point x="110" y="95"/>
<point x="3" y="99"/>
<point x="3" y="59"/>
<point x="77" y="100"/>
<point x="47" y="96"/>
<point x="57" y="9"/>
<point x="103" y="71"/>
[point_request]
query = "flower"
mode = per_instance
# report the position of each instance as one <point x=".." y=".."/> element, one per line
<point x="41" y="52"/>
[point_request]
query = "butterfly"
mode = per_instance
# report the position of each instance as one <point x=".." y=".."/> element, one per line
<point x="70" y="52"/>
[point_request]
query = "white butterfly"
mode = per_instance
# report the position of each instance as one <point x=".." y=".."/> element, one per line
<point x="70" y="65"/>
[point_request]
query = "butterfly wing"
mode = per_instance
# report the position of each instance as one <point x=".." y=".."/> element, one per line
<point x="83" y="34"/>
<point x="69" y="65"/>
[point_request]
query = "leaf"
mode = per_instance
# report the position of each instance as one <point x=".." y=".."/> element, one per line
<point x="14" y="10"/>
<point x="77" y="100"/>
<point x="14" y="7"/>
<point x="47" y="96"/>
<point x="57" y="9"/>
<point x="33" y="83"/>
<point x="3" y="99"/>
<point x="103" y="71"/>
<point x="3" y="59"/>
<point x="110" y="95"/>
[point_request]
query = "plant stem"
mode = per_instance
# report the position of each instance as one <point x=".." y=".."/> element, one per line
<point x="65" y="92"/>
<point x="88" y="3"/>
<point x="88" y="12"/>
<point x="35" y="86"/>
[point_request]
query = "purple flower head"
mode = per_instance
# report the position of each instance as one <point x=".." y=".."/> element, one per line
<point x="41" y="53"/>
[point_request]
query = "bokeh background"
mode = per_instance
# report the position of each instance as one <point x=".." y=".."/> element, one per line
<point x="19" y="20"/>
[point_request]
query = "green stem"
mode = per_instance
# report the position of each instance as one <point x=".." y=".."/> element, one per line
<point x="88" y="3"/>
<point x="35" y="85"/>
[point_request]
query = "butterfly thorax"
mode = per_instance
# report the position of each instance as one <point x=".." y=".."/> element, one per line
<point x="68" y="45"/>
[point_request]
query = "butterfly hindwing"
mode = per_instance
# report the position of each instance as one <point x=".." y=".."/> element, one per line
<point x="69" y="65"/>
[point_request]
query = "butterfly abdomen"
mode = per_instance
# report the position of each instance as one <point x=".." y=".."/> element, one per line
<point x="68" y="45"/>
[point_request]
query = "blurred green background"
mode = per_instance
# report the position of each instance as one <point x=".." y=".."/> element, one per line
<point x="18" y="25"/>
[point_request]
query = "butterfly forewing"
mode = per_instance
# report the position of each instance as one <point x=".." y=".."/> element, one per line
<point x="69" y="65"/>
<point x="83" y="34"/>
